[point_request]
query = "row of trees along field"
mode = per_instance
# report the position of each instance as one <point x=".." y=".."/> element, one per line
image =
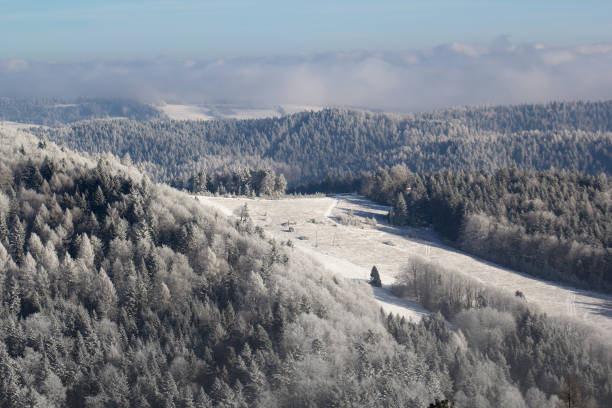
<point x="245" y="182"/>
<point x="553" y="224"/>
<point x="334" y="142"/>
<point x="119" y="292"/>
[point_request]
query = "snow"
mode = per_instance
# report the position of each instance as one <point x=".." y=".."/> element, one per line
<point x="351" y="251"/>
<point x="211" y="111"/>
<point x="185" y="112"/>
<point x="6" y="124"/>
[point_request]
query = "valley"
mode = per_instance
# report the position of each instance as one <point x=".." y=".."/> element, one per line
<point x="351" y="250"/>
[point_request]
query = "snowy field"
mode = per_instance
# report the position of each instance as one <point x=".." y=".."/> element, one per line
<point x="352" y="250"/>
<point x="210" y="112"/>
<point x="5" y="124"/>
<point x="185" y="112"/>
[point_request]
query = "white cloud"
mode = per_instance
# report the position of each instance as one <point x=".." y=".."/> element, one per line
<point x="594" y="49"/>
<point x="13" y="65"/>
<point x="453" y="74"/>
<point x="557" y="57"/>
<point x="468" y="49"/>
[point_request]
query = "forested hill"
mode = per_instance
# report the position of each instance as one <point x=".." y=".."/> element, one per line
<point x="553" y="224"/>
<point x="115" y="291"/>
<point x="588" y="116"/>
<point x="331" y="143"/>
<point x="55" y="112"/>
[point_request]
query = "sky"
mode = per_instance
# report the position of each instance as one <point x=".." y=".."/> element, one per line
<point x="74" y="29"/>
<point x="382" y="54"/>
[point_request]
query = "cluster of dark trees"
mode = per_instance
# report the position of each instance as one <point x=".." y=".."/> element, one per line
<point x="539" y="353"/>
<point x="119" y="292"/>
<point x="246" y="182"/>
<point x="55" y="112"/>
<point x="336" y="143"/>
<point x="553" y="224"/>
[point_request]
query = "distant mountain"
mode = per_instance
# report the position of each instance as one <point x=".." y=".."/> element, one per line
<point x="54" y="112"/>
<point x="334" y="142"/>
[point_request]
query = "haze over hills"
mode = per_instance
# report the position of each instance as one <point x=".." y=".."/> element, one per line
<point x="447" y="74"/>
<point x="55" y="111"/>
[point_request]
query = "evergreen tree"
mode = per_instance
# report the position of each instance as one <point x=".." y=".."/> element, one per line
<point x="244" y="213"/>
<point x="267" y="183"/>
<point x="17" y="238"/>
<point x="400" y="213"/>
<point x="4" y="231"/>
<point x="198" y="183"/>
<point x="99" y="202"/>
<point x="442" y="404"/>
<point x="375" y="278"/>
<point x="280" y="184"/>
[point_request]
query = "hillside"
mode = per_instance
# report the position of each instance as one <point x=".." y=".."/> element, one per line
<point x="120" y="292"/>
<point x="55" y="112"/>
<point x="332" y="143"/>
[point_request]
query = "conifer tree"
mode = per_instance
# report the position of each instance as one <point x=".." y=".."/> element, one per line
<point x="375" y="278"/>
<point x="16" y="241"/>
<point x="401" y="209"/>
<point x="280" y="184"/>
<point x="4" y="231"/>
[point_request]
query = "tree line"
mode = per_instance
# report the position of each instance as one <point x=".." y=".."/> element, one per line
<point x="337" y="143"/>
<point x="245" y="182"/>
<point x="553" y="224"/>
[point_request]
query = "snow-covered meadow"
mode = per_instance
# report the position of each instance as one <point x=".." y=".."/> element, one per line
<point x="363" y="238"/>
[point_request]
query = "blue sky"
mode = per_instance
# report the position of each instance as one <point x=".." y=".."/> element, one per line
<point x="386" y="54"/>
<point x="72" y="30"/>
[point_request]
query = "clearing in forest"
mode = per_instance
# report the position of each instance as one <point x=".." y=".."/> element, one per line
<point x="348" y="234"/>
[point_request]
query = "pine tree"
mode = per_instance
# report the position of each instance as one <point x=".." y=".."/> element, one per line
<point x="169" y="391"/>
<point x="99" y="202"/>
<point x="198" y="183"/>
<point x="573" y="395"/>
<point x="186" y="400"/>
<point x="85" y="251"/>
<point x="267" y="183"/>
<point x="17" y="241"/>
<point x="203" y="400"/>
<point x="401" y="209"/>
<point x="280" y="184"/>
<point x="4" y="231"/>
<point x="221" y="393"/>
<point x="442" y="404"/>
<point x="375" y="278"/>
<point x="244" y="213"/>
<point x="10" y="394"/>
<point x="13" y="296"/>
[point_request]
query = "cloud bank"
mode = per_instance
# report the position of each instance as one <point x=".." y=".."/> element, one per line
<point x="453" y="74"/>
